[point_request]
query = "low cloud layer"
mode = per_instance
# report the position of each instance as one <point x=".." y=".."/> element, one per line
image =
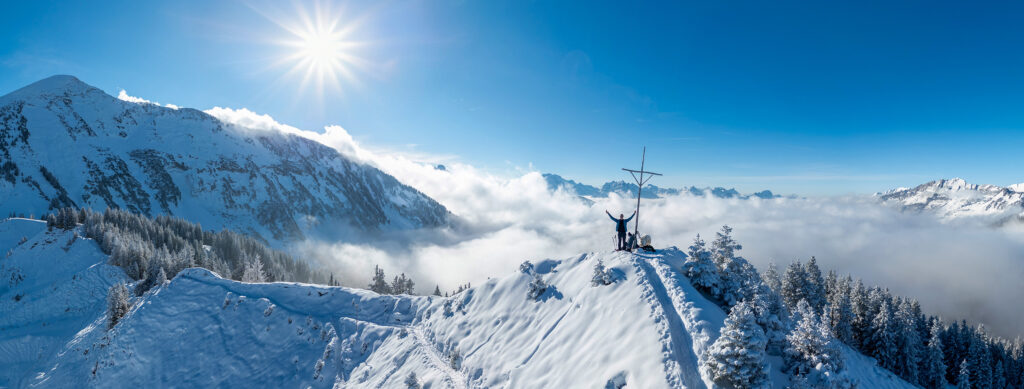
<point x="958" y="271"/>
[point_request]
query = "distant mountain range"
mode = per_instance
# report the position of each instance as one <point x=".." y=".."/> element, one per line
<point x="627" y="189"/>
<point x="954" y="198"/>
<point x="64" y="143"/>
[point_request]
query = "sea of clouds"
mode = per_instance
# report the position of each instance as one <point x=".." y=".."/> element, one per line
<point x="957" y="270"/>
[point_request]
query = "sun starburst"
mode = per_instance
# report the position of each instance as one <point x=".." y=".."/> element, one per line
<point x="320" y="51"/>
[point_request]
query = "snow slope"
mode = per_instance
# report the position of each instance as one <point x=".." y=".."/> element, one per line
<point x="649" y="329"/>
<point x="954" y="199"/>
<point x="66" y="143"/>
<point x="51" y="286"/>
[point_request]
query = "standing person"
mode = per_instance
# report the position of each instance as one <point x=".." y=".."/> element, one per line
<point x="620" y="227"/>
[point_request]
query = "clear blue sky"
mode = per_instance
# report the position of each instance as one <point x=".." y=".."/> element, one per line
<point x="813" y="98"/>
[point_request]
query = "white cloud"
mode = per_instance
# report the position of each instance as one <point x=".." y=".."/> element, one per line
<point x="132" y="99"/>
<point x="123" y="96"/>
<point x="959" y="271"/>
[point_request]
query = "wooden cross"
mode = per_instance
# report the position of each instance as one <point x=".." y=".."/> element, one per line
<point x="640" y="181"/>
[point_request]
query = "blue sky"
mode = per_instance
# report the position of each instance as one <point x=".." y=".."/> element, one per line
<point x="809" y="98"/>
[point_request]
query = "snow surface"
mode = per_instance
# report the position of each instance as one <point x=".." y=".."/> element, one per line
<point x="649" y="329"/>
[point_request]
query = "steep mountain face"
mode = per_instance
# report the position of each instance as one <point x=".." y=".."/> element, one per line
<point x="956" y="199"/>
<point x="627" y="189"/>
<point x="64" y="143"/>
<point x="648" y="329"/>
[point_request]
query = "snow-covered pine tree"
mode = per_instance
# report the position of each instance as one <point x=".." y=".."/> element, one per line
<point x="379" y="283"/>
<point x="815" y="293"/>
<point x="842" y="315"/>
<point x="794" y="285"/>
<point x="253" y="271"/>
<point x="980" y="359"/>
<point x="831" y="285"/>
<point x="908" y="344"/>
<point x="933" y="366"/>
<point x="963" y="380"/>
<point x="772" y="278"/>
<point x="536" y="287"/>
<point x="455" y="359"/>
<point x="1016" y="369"/>
<point x="701" y="268"/>
<point x="411" y="382"/>
<point x="117" y="304"/>
<point x="771" y="315"/>
<point x="812" y="355"/>
<point x="724" y="247"/>
<point x="881" y="344"/>
<point x="402" y="285"/>
<point x="862" y="320"/>
<point x="999" y="376"/>
<point x="739" y="281"/>
<point x="437" y="290"/>
<point x="601" y="275"/>
<point x="737" y="358"/>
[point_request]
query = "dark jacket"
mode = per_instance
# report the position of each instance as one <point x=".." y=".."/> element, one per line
<point x="620" y="226"/>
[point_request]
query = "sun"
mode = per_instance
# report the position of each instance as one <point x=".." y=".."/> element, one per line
<point x="320" y="50"/>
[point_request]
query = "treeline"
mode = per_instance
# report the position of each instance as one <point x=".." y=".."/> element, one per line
<point x="146" y="247"/>
<point x="920" y="348"/>
<point x="803" y="315"/>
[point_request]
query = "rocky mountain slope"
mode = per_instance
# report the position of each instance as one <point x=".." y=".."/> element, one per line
<point x="648" y="329"/>
<point x="64" y="143"/>
<point x="952" y="199"/>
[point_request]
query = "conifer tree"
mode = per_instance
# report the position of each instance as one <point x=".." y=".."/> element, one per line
<point x="411" y="382"/>
<point x="701" y="269"/>
<point x="980" y="360"/>
<point x="794" y="285"/>
<point x="907" y="343"/>
<point x="724" y="247"/>
<point x="882" y="341"/>
<point x="437" y="290"/>
<point x="933" y="367"/>
<point x="815" y="285"/>
<point x="771" y="314"/>
<point x="999" y="376"/>
<point x="831" y="285"/>
<point x="862" y="319"/>
<point x="117" y="304"/>
<point x="536" y="287"/>
<point x="772" y="278"/>
<point x="737" y="358"/>
<point x="379" y="283"/>
<point x="811" y="354"/>
<point x="963" y="381"/>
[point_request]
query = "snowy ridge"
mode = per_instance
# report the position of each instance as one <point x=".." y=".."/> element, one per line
<point x="627" y="189"/>
<point x="64" y="143"/>
<point x="952" y="199"/>
<point x="648" y="329"/>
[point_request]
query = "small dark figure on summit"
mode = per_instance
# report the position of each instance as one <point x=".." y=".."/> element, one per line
<point x="620" y="228"/>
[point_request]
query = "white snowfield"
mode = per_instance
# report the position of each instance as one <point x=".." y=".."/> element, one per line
<point x="649" y="329"/>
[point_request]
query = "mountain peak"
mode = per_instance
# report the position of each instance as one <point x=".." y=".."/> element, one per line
<point x="54" y="85"/>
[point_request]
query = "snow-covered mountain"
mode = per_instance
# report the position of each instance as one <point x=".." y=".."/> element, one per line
<point x="956" y="199"/>
<point x="628" y="189"/>
<point x="65" y="143"/>
<point x="648" y="329"/>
